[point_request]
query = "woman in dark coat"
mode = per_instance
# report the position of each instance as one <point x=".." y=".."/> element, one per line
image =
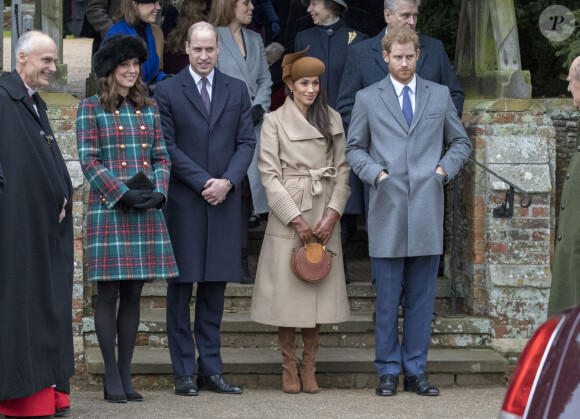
<point x="119" y="136"/>
<point x="138" y="19"/>
<point x="329" y="42"/>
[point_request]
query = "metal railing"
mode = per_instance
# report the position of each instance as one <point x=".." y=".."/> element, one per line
<point x="506" y="210"/>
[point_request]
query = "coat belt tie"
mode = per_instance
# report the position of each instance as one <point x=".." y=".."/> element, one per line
<point x="313" y="177"/>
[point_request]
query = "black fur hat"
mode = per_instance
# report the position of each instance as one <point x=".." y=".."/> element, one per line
<point x="115" y="50"/>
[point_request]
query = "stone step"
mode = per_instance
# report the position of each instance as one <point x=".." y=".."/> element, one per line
<point x="361" y="295"/>
<point x="237" y="330"/>
<point x="335" y="367"/>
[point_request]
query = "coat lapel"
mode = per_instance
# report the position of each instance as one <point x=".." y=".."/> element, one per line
<point x="388" y="96"/>
<point x="191" y="92"/>
<point x="421" y="99"/>
<point x="378" y="52"/>
<point x="422" y="54"/>
<point x="219" y="97"/>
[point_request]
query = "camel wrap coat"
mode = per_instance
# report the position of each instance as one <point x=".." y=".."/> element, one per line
<point x="301" y="177"/>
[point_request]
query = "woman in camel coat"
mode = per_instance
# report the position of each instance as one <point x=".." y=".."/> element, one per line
<point x="305" y="174"/>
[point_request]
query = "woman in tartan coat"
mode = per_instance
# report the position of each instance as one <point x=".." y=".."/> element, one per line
<point x="119" y="135"/>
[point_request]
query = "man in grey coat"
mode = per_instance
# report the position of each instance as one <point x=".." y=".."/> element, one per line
<point x="397" y="133"/>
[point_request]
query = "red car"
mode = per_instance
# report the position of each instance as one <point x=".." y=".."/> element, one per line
<point x="546" y="380"/>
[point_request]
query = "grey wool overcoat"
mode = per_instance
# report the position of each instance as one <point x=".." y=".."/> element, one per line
<point x="301" y="177"/>
<point x="405" y="216"/>
<point x="252" y="70"/>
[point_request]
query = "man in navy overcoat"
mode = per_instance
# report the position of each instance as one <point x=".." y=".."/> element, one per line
<point x="207" y="125"/>
<point x="365" y="64"/>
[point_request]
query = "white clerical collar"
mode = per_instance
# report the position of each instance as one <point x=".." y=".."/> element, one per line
<point x="399" y="86"/>
<point x="197" y="77"/>
<point x="29" y="90"/>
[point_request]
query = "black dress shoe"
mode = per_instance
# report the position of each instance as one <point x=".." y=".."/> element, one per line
<point x="218" y="384"/>
<point x="185" y="386"/>
<point x="134" y="397"/>
<point x="61" y="411"/>
<point x="113" y="398"/>
<point x="388" y="385"/>
<point x="420" y="385"/>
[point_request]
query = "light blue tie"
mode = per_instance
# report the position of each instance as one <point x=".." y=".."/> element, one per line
<point x="407" y="108"/>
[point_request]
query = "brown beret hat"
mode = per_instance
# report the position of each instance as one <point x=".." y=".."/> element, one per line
<point x="296" y="66"/>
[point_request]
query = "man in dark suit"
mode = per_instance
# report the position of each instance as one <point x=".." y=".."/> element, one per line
<point x="399" y="128"/>
<point x="207" y="125"/>
<point x="36" y="242"/>
<point x="365" y="65"/>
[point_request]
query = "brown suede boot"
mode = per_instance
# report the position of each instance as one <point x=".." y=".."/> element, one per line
<point x="290" y="382"/>
<point x="308" y="364"/>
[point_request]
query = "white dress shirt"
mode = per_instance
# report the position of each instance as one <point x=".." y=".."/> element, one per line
<point x="399" y="91"/>
<point x="197" y="80"/>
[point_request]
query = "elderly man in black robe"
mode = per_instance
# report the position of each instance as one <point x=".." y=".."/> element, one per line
<point x="36" y="242"/>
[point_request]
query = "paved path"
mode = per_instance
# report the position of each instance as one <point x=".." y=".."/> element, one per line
<point x="482" y="402"/>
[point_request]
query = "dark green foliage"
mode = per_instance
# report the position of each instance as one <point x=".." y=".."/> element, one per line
<point x="546" y="61"/>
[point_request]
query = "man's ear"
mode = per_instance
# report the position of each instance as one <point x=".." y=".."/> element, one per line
<point x="386" y="57"/>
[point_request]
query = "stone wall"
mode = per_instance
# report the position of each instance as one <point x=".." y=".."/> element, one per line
<point x="503" y="264"/>
<point x="506" y="261"/>
<point x="62" y="113"/>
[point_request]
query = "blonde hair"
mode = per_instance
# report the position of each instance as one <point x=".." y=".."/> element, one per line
<point x="222" y="12"/>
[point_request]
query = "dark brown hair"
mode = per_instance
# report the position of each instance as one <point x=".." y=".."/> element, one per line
<point x="130" y="12"/>
<point x="190" y="12"/>
<point x="318" y="116"/>
<point x="109" y="97"/>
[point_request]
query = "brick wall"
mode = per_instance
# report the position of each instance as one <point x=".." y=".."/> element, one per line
<point x="505" y="262"/>
<point x="62" y="113"/>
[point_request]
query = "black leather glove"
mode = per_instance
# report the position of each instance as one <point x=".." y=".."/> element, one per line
<point x="156" y="201"/>
<point x="257" y="114"/>
<point x="133" y="197"/>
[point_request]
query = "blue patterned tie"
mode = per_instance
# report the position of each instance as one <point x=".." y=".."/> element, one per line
<point x="205" y="95"/>
<point x="407" y="108"/>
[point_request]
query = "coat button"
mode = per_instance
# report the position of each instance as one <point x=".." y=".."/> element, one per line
<point x="144" y="145"/>
<point x="107" y="202"/>
<point x="124" y="164"/>
<point x="138" y="112"/>
<point x="142" y="127"/>
<point x="123" y="146"/>
<point x="120" y="127"/>
<point x="563" y="206"/>
<point x="116" y="112"/>
<point x="567" y="175"/>
<point x="103" y="199"/>
<point x="145" y="163"/>
<point x="559" y="237"/>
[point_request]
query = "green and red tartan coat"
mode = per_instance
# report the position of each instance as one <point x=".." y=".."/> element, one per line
<point x="113" y="148"/>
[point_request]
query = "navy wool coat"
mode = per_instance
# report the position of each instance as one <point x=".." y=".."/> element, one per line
<point x="206" y="239"/>
<point x="330" y="45"/>
<point x="365" y="66"/>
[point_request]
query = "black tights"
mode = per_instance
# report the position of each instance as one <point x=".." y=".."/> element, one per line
<point x="122" y="325"/>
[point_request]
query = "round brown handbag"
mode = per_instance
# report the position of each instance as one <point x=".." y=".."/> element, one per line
<point x="311" y="262"/>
